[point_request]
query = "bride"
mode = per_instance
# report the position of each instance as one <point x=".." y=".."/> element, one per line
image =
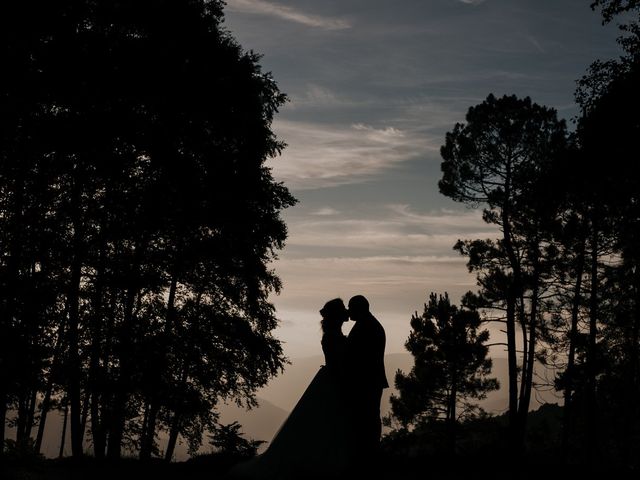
<point x="315" y="441"/>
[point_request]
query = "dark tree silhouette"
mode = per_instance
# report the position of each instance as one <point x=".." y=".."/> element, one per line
<point x="600" y="210"/>
<point x="609" y="128"/>
<point x="566" y="266"/>
<point x="229" y="439"/>
<point x="497" y="159"/>
<point x="138" y="220"/>
<point x="612" y="8"/>
<point x="451" y="367"/>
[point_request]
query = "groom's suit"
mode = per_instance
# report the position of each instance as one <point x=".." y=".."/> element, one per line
<point x="367" y="379"/>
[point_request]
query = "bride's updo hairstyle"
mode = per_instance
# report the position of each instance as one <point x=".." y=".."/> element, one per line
<point x="333" y="315"/>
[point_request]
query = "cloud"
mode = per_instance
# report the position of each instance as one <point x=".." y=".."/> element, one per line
<point x="536" y="44"/>
<point x="313" y="96"/>
<point x="387" y="134"/>
<point x="365" y="239"/>
<point x="472" y="2"/>
<point x="391" y="231"/>
<point x="284" y="12"/>
<point x="442" y="220"/>
<point x="320" y="96"/>
<point x="395" y="255"/>
<point x="320" y="155"/>
<point x="325" y="211"/>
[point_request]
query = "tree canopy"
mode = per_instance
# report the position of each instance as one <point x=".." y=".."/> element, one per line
<point x="138" y="218"/>
<point x="451" y="368"/>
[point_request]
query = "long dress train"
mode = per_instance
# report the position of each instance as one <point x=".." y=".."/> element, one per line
<point x="315" y="441"/>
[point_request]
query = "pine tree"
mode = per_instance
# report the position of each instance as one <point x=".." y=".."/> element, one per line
<point x="451" y="367"/>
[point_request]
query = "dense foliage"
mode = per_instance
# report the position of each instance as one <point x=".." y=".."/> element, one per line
<point x="451" y="368"/>
<point x="563" y="277"/>
<point x="137" y="220"/>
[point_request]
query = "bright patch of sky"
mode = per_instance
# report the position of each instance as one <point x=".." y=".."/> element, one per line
<point x="374" y="85"/>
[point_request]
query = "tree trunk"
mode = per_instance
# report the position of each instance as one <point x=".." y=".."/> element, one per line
<point x="175" y="423"/>
<point x="513" y="371"/>
<point x="26" y="410"/>
<point x="63" y="439"/>
<point x="21" y="421"/>
<point x="104" y="403"/>
<point x="143" y="429"/>
<point x="31" y="411"/>
<point x="94" y="380"/>
<point x="527" y="374"/>
<point x="118" y="413"/>
<point x="150" y="428"/>
<point x="573" y="336"/>
<point x="173" y="437"/>
<point x="514" y="291"/>
<point x="97" y="431"/>
<point x="85" y="415"/>
<point x="452" y="414"/>
<point x="592" y="435"/>
<point x="8" y="290"/>
<point x="149" y="432"/>
<point x="3" y="416"/>
<point x="73" y="367"/>
<point x="114" y="443"/>
<point x="525" y="356"/>
<point x="171" y="304"/>
<point x="44" y="410"/>
<point x="46" y="401"/>
<point x="630" y="426"/>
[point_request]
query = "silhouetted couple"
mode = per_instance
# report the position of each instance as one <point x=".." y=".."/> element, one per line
<point x="334" y="429"/>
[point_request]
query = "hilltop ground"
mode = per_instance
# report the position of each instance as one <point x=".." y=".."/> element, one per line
<point x="210" y="468"/>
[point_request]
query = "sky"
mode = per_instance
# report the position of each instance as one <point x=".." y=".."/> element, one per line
<point x="373" y="87"/>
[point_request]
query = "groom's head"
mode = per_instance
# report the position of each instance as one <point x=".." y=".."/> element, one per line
<point x="358" y="308"/>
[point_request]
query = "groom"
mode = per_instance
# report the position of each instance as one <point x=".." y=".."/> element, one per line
<point x="365" y="354"/>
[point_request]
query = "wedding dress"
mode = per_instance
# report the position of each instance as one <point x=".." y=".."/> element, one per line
<point x="315" y="441"/>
